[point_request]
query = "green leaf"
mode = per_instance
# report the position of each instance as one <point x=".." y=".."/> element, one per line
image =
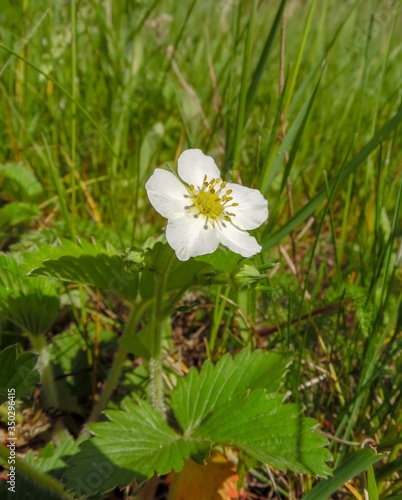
<point x="100" y="271"/>
<point x="30" y="482"/>
<point x="234" y="403"/>
<point x="17" y="372"/>
<point x="31" y="304"/>
<point x="53" y="458"/>
<point x="27" y="486"/>
<point x="89" y="264"/>
<point x="372" y="484"/>
<point x="64" y="247"/>
<point x="185" y="274"/>
<point x="221" y="260"/>
<point x="71" y="354"/>
<point x="10" y="277"/>
<point x="353" y="466"/>
<point x="261" y="426"/>
<point x="15" y="213"/>
<point x="231" y="404"/>
<point x="20" y="182"/>
<point x="181" y="274"/>
<point x="32" y="312"/>
<point x="135" y="443"/>
<point x="139" y="342"/>
<point x="199" y="393"/>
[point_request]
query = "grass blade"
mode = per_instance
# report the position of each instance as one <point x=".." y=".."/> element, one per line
<point x="257" y="75"/>
<point x="353" y="466"/>
<point x="350" y="168"/>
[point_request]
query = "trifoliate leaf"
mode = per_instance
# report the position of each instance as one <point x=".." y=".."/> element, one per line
<point x="234" y="403"/>
<point x="132" y="446"/>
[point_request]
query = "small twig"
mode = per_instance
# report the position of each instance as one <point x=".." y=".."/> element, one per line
<point x="273" y="329"/>
<point x="307" y="226"/>
<point x="338" y="440"/>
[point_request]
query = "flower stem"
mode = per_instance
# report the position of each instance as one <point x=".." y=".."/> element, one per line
<point x="118" y="362"/>
<point x="155" y="363"/>
<point x="110" y="384"/>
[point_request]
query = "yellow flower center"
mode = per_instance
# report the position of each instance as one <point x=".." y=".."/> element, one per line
<point x="211" y="200"/>
<point x="208" y="204"/>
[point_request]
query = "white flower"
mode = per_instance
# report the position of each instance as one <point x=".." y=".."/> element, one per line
<point x="203" y="211"/>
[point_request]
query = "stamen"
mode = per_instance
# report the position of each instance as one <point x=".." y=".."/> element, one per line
<point x="209" y="201"/>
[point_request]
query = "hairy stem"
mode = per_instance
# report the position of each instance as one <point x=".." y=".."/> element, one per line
<point x="156" y="364"/>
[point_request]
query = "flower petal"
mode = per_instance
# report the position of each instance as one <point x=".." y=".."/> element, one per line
<point x="166" y="193"/>
<point x="193" y="165"/>
<point x="189" y="235"/>
<point x="238" y="241"/>
<point x="252" y="210"/>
